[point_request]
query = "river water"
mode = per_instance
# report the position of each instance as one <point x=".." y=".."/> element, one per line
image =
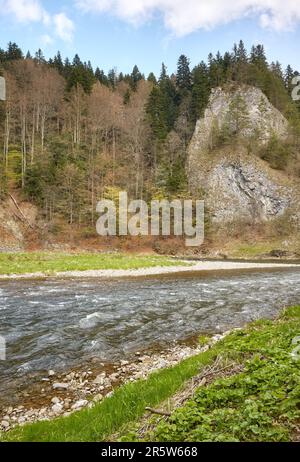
<point x="61" y="324"/>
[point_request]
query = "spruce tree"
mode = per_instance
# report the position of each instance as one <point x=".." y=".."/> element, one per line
<point x="288" y="77"/>
<point x="101" y="77"/>
<point x="39" y="57"/>
<point x="201" y="90"/>
<point x="258" y="56"/>
<point x="135" y="78"/>
<point x="241" y="53"/>
<point x="151" y="78"/>
<point x="58" y="63"/>
<point x="163" y="73"/>
<point x="112" y="78"/>
<point x="13" y="52"/>
<point x="183" y="76"/>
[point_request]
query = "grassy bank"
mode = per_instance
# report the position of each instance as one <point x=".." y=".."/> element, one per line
<point x="259" y="404"/>
<point x="36" y="262"/>
<point x="262" y="249"/>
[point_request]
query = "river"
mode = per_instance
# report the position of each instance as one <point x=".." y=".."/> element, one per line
<point x="58" y="325"/>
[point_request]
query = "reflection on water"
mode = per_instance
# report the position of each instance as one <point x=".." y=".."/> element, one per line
<point x="59" y="324"/>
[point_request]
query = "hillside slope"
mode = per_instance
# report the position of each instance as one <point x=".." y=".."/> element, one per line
<point x="17" y="222"/>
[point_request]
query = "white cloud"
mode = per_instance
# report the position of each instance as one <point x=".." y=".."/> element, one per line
<point x="64" y="27"/>
<point x="25" y="10"/>
<point x="185" y="16"/>
<point x="28" y="11"/>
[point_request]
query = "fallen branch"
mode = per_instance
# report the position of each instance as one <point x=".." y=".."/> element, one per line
<point x="217" y="371"/>
<point x="20" y="211"/>
<point x="155" y="411"/>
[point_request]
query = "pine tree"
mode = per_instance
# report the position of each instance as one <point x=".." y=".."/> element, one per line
<point x="13" y="52"/>
<point x="201" y="90"/>
<point x="258" y="56"/>
<point x="238" y="115"/>
<point x="2" y="55"/>
<point x="112" y="78"/>
<point x="241" y="53"/>
<point x="39" y="57"/>
<point x="151" y="78"/>
<point x="183" y="76"/>
<point x="135" y="78"/>
<point x="162" y="106"/>
<point x="58" y="63"/>
<point x="163" y="74"/>
<point x="80" y="74"/>
<point x="216" y="70"/>
<point x="101" y="77"/>
<point x="240" y="63"/>
<point x="288" y="77"/>
<point x="276" y="69"/>
<point x="228" y="64"/>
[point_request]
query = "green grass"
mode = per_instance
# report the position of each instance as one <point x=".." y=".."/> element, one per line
<point x="126" y="405"/>
<point x="255" y="250"/>
<point x="36" y="262"/>
<point x="258" y="249"/>
<point x="261" y="404"/>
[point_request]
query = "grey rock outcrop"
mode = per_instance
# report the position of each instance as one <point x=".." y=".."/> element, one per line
<point x="239" y="185"/>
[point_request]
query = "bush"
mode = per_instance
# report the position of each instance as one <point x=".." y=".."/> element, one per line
<point x="276" y="153"/>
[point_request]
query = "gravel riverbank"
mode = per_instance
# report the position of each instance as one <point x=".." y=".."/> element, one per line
<point x="198" y="266"/>
<point x="59" y="394"/>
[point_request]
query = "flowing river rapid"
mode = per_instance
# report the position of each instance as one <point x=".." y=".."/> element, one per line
<point x="61" y="324"/>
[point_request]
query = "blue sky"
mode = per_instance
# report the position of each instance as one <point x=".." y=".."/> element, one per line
<point x="121" y="33"/>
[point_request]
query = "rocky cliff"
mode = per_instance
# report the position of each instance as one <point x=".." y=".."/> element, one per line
<point x="238" y="184"/>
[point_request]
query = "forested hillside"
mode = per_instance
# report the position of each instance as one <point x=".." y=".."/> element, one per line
<point x="72" y="134"/>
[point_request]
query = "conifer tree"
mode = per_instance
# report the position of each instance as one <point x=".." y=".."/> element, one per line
<point x="101" y="77"/>
<point x="151" y="78"/>
<point x="183" y="76"/>
<point x="112" y="78"/>
<point x="201" y="90"/>
<point x="13" y="52"/>
<point x="135" y="78"/>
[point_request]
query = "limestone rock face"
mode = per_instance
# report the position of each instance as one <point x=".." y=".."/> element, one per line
<point x="239" y="185"/>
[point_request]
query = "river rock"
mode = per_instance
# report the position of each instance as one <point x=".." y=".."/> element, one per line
<point x="51" y="373"/>
<point x="60" y="386"/>
<point x="55" y="400"/>
<point x="79" y="404"/>
<point x="70" y="377"/>
<point x="100" y="379"/>
<point x="5" y="425"/>
<point x="57" y="408"/>
<point x="43" y="411"/>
